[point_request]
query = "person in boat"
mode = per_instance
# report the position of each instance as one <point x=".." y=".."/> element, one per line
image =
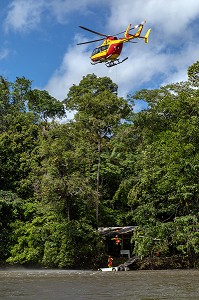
<point x="110" y="261"/>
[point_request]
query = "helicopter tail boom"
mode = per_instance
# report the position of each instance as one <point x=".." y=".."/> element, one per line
<point x="129" y="36"/>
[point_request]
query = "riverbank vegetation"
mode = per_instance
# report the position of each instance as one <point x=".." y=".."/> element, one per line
<point x="109" y="166"/>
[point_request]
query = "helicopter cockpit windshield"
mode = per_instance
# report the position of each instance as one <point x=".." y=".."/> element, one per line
<point x="99" y="49"/>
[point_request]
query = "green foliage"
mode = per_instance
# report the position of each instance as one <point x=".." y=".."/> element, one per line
<point x="99" y="114"/>
<point x="10" y="210"/>
<point x="52" y="242"/>
<point x="45" y="105"/>
<point x="177" y="237"/>
<point x="193" y="73"/>
<point x="28" y="246"/>
<point x="98" y="107"/>
<point x="186" y="235"/>
<point x="164" y="191"/>
<point x="16" y="146"/>
<point x="106" y="167"/>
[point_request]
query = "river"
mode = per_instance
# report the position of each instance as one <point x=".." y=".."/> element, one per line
<point x="25" y="284"/>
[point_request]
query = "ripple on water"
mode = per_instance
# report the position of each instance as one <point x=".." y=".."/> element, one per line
<point x="78" y="284"/>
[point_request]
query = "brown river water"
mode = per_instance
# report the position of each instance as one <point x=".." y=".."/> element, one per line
<point x="93" y="285"/>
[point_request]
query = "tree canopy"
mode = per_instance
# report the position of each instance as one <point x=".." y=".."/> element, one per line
<point x="108" y="166"/>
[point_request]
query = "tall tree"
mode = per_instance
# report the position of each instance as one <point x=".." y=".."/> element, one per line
<point x="99" y="111"/>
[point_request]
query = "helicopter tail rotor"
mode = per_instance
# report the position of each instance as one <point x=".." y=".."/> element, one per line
<point x="136" y="26"/>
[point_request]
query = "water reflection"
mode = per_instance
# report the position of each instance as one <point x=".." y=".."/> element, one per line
<point x="86" y="285"/>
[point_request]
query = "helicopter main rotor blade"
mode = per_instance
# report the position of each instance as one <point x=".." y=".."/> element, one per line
<point x="95" y="32"/>
<point x="93" y="41"/>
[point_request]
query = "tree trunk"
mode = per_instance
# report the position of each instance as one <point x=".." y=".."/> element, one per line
<point x="98" y="180"/>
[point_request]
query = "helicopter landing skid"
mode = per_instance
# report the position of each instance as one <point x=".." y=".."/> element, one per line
<point x="96" y="63"/>
<point x="116" y="62"/>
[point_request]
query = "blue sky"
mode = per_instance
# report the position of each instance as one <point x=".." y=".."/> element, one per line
<point x="38" y="40"/>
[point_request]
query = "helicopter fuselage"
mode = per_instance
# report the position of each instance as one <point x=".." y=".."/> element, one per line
<point x="110" y="49"/>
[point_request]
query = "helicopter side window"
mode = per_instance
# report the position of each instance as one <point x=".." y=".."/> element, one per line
<point x="99" y="49"/>
<point x="95" y="51"/>
<point x="104" y="47"/>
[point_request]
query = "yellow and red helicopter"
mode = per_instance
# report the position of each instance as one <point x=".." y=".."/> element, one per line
<point x="111" y="48"/>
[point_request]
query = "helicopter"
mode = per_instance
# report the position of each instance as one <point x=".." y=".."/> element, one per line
<point x="109" y="51"/>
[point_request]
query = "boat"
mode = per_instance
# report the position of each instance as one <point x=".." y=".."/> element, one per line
<point x="113" y="269"/>
<point x="123" y="267"/>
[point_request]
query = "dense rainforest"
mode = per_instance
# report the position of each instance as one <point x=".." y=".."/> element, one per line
<point x="109" y="166"/>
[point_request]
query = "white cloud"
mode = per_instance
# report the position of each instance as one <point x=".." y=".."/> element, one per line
<point x="62" y="8"/>
<point x="144" y="64"/>
<point x="179" y="62"/>
<point x="24" y="15"/>
<point x="75" y="64"/>
<point x="3" y="53"/>
<point x="171" y="16"/>
<point x="172" y="48"/>
<point x="173" y="43"/>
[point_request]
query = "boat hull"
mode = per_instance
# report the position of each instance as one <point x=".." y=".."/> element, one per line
<point x="113" y="269"/>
